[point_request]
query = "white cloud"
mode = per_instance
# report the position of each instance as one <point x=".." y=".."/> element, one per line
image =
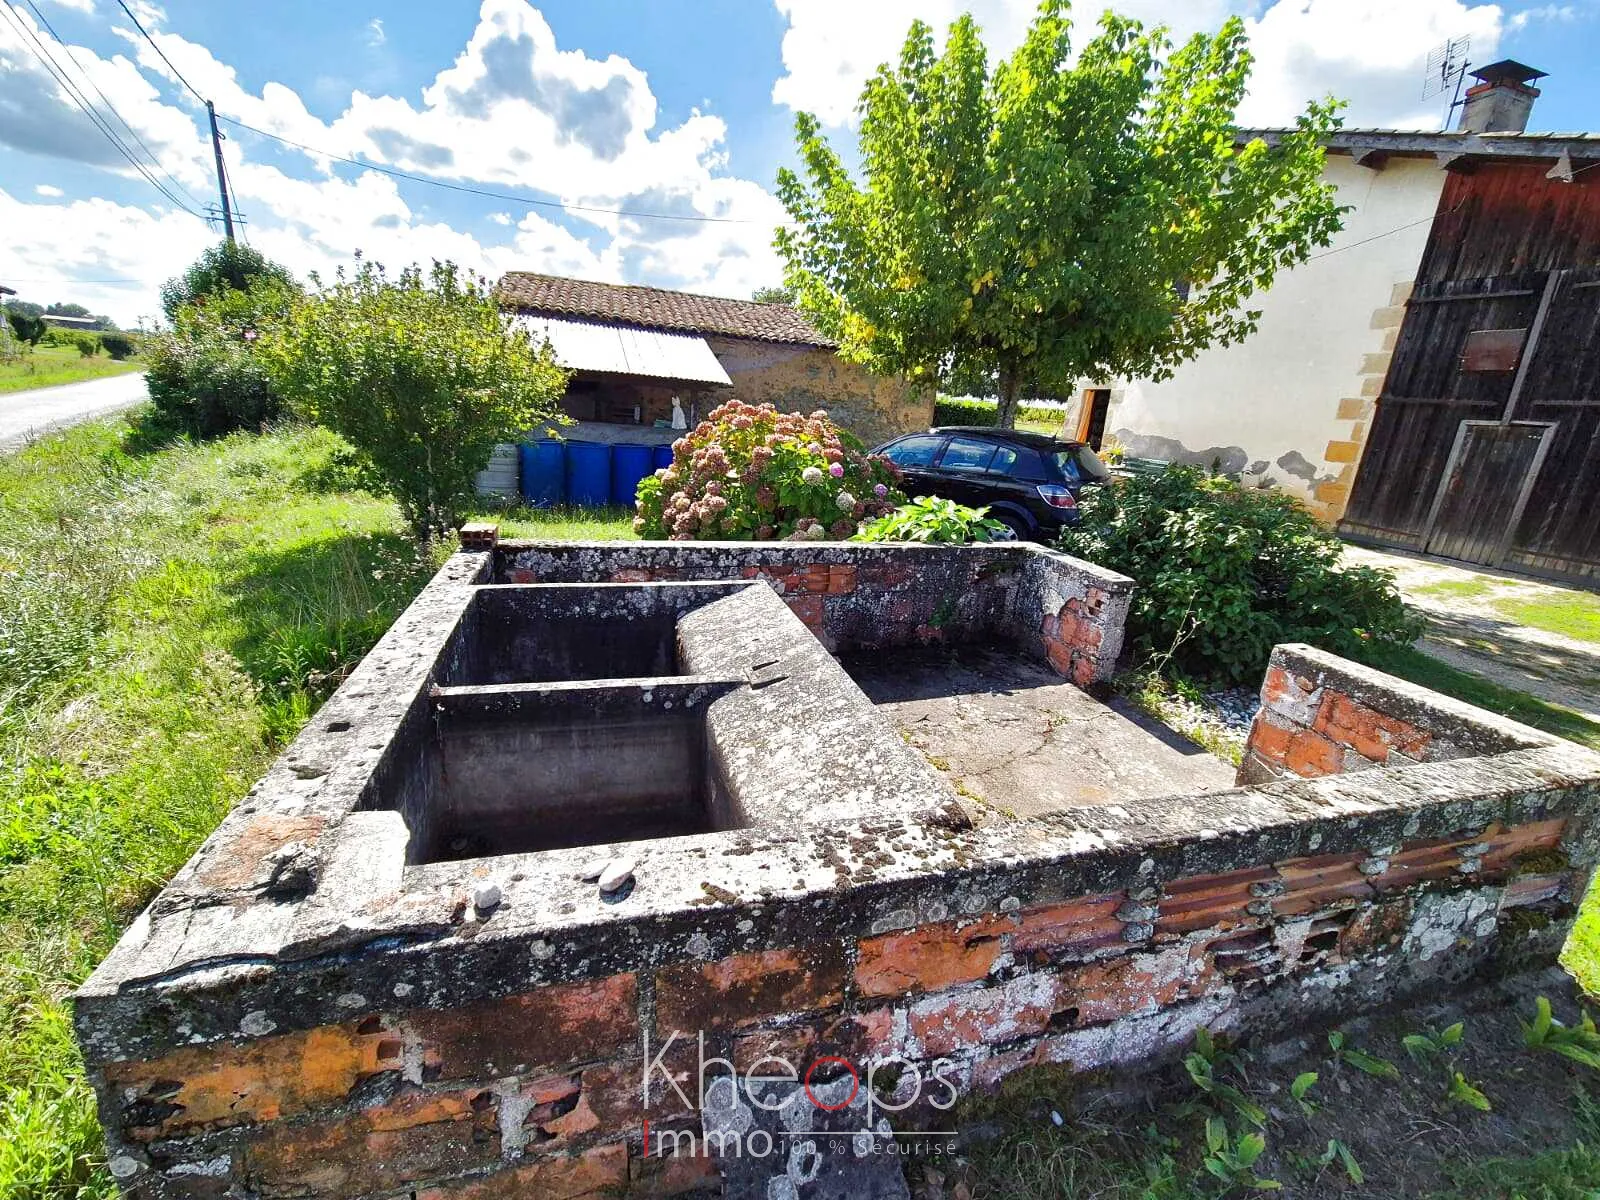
<point x="375" y="33"/>
<point x="83" y="6"/>
<point x="45" y="189"/>
<point x="512" y="111"/>
<point x="1371" y="52"/>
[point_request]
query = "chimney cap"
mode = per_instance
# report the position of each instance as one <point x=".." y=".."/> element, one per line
<point x="1508" y="70"/>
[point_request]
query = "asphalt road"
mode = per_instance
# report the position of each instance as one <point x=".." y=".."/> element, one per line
<point x="38" y="410"/>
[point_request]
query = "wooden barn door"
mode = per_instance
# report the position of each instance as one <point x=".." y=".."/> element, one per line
<point x="1485" y="490"/>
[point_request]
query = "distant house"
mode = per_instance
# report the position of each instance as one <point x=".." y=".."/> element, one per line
<point x="62" y="322"/>
<point x="633" y="349"/>
<point x="1431" y="380"/>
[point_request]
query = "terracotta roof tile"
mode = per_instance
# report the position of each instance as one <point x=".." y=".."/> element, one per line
<point x="656" y="308"/>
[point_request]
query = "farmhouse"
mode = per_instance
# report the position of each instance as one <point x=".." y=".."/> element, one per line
<point x="634" y="350"/>
<point x="1430" y="379"/>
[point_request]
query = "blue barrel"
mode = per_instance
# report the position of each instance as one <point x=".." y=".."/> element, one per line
<point x="629" y="464"/>
<point x="588" y="474"/>
<point x="543" y="472"/>
<point x="662" y="457"/>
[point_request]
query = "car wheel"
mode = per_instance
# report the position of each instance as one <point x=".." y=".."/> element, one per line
<point x="1020" y="530"/>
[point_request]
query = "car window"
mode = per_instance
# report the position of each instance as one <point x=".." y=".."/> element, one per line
<point x="1020" y="463"/>
<point x="1005" y="458"/>
<point x="915" y="451"/>
<point x="966" y="454"/>
<point x="1077" y="463"/>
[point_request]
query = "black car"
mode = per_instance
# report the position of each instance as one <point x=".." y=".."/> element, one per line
<point x="1029" y="481"/>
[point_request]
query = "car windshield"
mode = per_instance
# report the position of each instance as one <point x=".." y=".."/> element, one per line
<point x="1079" y="463"/>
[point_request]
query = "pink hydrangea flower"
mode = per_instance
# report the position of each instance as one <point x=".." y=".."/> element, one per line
<point x="837" y="470"/>
<point x="879" y="490"/>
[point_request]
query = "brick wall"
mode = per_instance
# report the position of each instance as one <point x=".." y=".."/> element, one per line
<point x="539" y="1092"/>
<point x="1322" y="715"/>
<point x="860" y="597"/>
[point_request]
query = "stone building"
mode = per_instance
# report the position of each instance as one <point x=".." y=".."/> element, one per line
<point x="633" y="349"/>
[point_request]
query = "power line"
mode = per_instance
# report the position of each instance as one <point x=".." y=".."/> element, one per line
<point x="43" y="20"/>
<point x="47" y="60"/>
<point x="511" y="197"/>
<point x="160" y="51"/>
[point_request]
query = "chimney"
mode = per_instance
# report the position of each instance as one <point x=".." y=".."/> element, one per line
<point x="1502" y="99"/>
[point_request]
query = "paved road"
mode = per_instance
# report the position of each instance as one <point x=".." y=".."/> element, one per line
<point x="27" y="414"/>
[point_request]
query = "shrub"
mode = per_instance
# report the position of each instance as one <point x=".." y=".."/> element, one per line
<point x="119" y="345"/>
<point x="28" y="328"/>
<point x="934" y="519"/>
<point x="88" y="345"/>
<point x="204" y="376"/>
<point x="753" y="473"/>
<point x="1226" y="572"/>
<point x="949" y="410"/>
<point x="225" y="267"/>
<point x="422" y="375"/>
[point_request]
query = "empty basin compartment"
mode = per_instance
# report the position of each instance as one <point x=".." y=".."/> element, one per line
<point x="556" y="632"/>
<point x="514" y="770"/>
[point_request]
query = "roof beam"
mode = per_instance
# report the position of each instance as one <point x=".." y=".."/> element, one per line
<point x="1371" y="157"/>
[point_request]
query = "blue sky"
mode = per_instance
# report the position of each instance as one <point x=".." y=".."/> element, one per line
<point x="649" y="105"/>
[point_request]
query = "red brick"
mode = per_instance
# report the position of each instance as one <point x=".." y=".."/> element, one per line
<point x="673" y="1174"/>
<point x="1060" y="655"/>
<point x="1532" y="889"/>
<point x="1506" y="846"/>
<point x="1269" y="739"/>
<point x="1311" y="884"/>
<point x="1204" y="901"/>
<point x="1076" y="926"/>
<point x="748" y="987"/>
<point x="375" y="1150"/>
<point x="548" y="1027"/>
<point x="1421" y="863"/>
<point x="1049" y="625"/>
<point x="855" y="1036"/>
<point x="1310" y="754"/>
<point x="807" y="608"/>
<point x="1375" y="928"/>
<point x="630" y="575"/>
<point x="955" y="1021"/>
<point x="812" y="578"/>
<point x="1137" y="983"/>
<point x="928" y="958"/>
<point x="602" y="1171"/>
<point x="1367" y="731"/>
<point x="261" y="1080"/>
<point x="522" y="575"/>
<point x="1083" y="670"/>
<point x="841" y="580"/>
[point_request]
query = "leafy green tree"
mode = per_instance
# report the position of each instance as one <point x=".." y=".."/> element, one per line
<point x="773" y="295"/>
<point x="1054" y="219"/>
<point x="225" y="267"/>
<point x="422" y="374"/>
<point x="28" y="328"/>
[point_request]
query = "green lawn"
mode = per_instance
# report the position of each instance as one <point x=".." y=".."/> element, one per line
<point x="47" y="366"/>
<point x="1571" y="613"/>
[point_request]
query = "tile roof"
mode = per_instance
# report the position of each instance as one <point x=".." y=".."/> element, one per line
<point x="656" y="308"/>
<point x="1447" y="141"/>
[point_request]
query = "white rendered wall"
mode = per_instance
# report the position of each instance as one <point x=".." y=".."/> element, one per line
<point x="1277" y="405"/>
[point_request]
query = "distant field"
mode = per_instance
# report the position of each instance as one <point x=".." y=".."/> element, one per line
<point x="47" y="366"/>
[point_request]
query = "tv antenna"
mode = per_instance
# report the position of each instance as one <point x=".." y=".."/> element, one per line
<point x="1447" y="67"/>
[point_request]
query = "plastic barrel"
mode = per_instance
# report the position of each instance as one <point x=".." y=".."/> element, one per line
<point x="543" y="471"/>
<point x="661" y="458"/>
<point x="629" y="464"/>
<point x="588" y="474"/>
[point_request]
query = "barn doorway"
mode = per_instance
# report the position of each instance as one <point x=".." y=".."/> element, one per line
<point x="1092" y="416"/>
<point x="1487" y="481"/>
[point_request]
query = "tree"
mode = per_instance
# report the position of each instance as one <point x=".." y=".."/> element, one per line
<point x="773" y="295"/>
<point x="227" y="266"/>
<point x="422" y="375"/>
<point x="28" y="328"/>
<point x="1054" y="220"/>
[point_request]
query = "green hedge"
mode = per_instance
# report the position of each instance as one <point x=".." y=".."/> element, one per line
<point x="948" y="411"/>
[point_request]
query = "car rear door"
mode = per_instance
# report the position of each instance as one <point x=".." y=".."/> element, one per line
<point x="962" y="470"/>
<point x="915" y="456"/>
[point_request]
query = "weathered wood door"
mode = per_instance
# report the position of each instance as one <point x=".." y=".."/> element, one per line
<point x="1520" y="352"/>
<point x="1485" y="489"/>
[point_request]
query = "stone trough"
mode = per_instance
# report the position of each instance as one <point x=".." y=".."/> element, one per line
<point x="392" y="970"/>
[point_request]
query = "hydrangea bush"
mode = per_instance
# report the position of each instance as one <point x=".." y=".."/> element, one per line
<point x="748" y="472"/>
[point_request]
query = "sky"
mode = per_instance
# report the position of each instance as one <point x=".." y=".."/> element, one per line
<point x="603" y="123"/>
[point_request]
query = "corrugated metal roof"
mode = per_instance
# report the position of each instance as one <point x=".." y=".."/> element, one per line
<point x="627" y="350"/>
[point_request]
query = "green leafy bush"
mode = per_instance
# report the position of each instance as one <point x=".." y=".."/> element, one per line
<point x="119" y="345"/>
<point x="749" y="472"/>
<point x="948" y="410"/>
<point x="28" y="328"/>
<point x="422" y="374"/>
<point x="1225" y="573"/>
<point x="225" y="267"/>
<point x="88" y="345"/>
<point x="204" y="375"/>
<point x="934" y="519"/>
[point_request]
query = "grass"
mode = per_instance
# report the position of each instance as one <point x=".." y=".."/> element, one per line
<point x="167" y="622"/>
<point x="609" y="524"/>
<point x="47" y="366"/>
<point x="1571" y="614"/>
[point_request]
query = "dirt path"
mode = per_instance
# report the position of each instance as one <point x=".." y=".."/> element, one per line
<point x="1538" y="637"/>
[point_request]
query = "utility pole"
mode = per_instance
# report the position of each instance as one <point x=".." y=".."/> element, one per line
<point x="222" y="179"/>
